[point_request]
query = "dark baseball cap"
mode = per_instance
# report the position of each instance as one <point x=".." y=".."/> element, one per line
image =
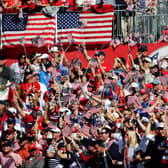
<point x="11" y="121"/>
<point x="2" y="57"/>
<point x="6" y="143"/>
<point x="31" y="124"/>
<point x="3" y="102"/>
<point x="101" y="53"/>
<point x="139" y="49"/>
<point x="48" y="65"/>
<point x="9" y="131"/>
<point x="144" y="48"/>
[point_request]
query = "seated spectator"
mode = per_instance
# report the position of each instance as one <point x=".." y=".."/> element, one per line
<point x="28" y="6"/>
<point x="55" y="2"/>
<point x="5" y="72"/>
<point x="11" y="6"/>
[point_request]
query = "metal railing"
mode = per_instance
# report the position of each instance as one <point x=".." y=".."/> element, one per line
<point x="149" y="26"/>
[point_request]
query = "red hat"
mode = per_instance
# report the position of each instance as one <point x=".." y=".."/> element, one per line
<point x="9" y="131"/>
<point x="32" y="146"/>
<point x="37" y="108"/>
<point x="143" y="91"/>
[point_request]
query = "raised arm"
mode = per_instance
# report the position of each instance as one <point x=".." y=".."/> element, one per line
<point x="85" y="52"/>
<point x="131" y="59"/>
<point x="140" y="61"/>
<point x="140" y="123"/>
<point x="45" y="117"/>
<point x="21" y="112"/>
<point x="95" y="98"/>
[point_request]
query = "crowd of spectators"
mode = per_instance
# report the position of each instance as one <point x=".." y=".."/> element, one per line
<point x="14" y="6"/>
<point x="57" y="114"/>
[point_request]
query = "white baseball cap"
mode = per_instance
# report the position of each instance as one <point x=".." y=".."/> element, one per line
<point x="54" y="49"/>
<point x="126" y="92"/>
<point x="134" y="85"/>
<point x="145" y="119"/>
<point x="12" y="110"/>
<point x="64" y="109"/>
<point x="148" y="59"/>
<point x="37" y="55"/>
<point x="44" y="56"/>
<point x="161" y="125"/>
<point x="115" y="77"/>
<point x="56" y="130"/>
<point x="166" y="56"/>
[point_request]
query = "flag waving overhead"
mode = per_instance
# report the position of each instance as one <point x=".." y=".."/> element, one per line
<point x="91" y="28"/>
<point x="88" y="27"/>
<point x="28" y="28"/>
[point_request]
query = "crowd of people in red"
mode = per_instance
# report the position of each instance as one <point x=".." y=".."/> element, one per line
<point x="58" y="114"/>
<point x="13" y="6"/>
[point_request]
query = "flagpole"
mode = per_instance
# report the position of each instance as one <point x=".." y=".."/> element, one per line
<point x="55" y="39"/>
<point x="1" y="30"/>
<point x="25" y="50"/>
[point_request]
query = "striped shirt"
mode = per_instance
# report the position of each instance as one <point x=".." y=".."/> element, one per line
<point x="165" y="155"/>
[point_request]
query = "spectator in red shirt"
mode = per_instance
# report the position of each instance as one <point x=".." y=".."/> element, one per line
<point x="165" y="31"/>
<point x="3" y="113"/>
<point x="55" y="2"/>
<point x="33" y="117"/>
<point x="10" y="6"/>
<point x="28" y="6"/>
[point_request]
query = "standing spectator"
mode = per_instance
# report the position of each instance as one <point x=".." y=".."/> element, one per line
<point x="35" y="62"/>
<point x="55" y="151"/>
<point x="5" y="72"/>
<point x="164" y="65"/>
<point x="35" y="160"/>
<point x="44" y="77"/>
<point x="8" y="158"/>
<point x="18" y="69"/>
<point x="141" y="54"/>
<point x="3" y="114"/>
<point x="44" y="61"/>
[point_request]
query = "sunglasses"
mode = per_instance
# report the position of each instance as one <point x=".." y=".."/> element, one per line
<point x="101" y="133"/>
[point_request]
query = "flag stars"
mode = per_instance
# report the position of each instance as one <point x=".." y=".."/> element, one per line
<point x="68" y="20"/>
<point x="13" y="23"/>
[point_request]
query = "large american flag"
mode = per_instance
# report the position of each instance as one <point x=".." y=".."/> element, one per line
<point x="88" y="27"/>
<point x="27" y="28"/>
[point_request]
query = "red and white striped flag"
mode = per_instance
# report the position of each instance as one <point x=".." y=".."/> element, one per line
<point x="28" y="28"/>
<point x="97" y="30"/>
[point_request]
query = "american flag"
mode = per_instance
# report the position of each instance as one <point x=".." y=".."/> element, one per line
<point x="28" y="28"/>
<point x="97" y="30"/>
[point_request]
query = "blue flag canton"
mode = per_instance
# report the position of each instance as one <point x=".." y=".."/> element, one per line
<point x="67" y="20"/>
<point x="13" y="23"/>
